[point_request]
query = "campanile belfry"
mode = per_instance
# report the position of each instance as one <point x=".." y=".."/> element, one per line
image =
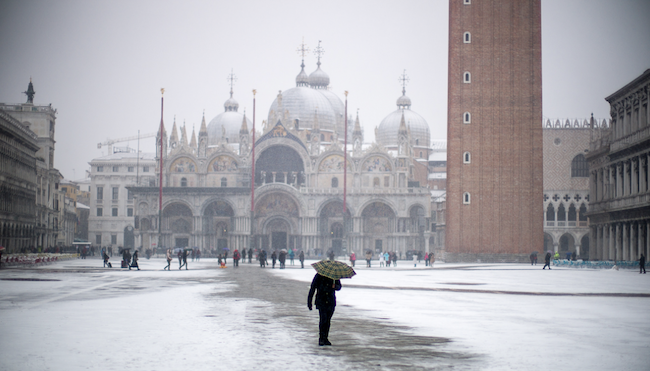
<point x="494" y="155"/>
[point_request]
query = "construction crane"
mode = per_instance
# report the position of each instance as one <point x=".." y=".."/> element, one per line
<point x="110" y="142"/>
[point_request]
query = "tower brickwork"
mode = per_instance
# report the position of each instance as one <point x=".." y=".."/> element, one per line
<point x="494" y="163"/>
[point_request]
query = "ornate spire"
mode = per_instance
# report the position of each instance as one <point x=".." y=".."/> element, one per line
<point x="193" y="141"/>
<point x="302" y="79"/>
<point x="204" y="129"/>
<point x="402" y="126"/>
<point x="244" y="125"/>
<point x="357" y="125"/>
<point x="30" y="92"/>
<point x="184" y="134"/>
<point x="232" y="79"/>
<point x="404" y="102"/>
<point x="231" y="104"/>
<point x="319" y="51"/>
<point x="174" y="136"/>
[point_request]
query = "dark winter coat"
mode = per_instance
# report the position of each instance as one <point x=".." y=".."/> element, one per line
<point x="325" y="292"/>
<point x="547" y="258"/>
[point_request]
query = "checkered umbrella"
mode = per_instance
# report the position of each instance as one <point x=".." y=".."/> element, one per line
<point x="333" y="269"/>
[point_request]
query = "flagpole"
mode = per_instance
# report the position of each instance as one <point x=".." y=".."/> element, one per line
<point x="160" y="189"/>
<point x="345" y="156"/>
<point x="252" y="239"/>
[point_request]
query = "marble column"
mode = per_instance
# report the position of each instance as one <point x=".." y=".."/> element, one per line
<point x="617" y="241"/>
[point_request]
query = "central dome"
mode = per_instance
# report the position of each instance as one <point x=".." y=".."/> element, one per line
<point x="302" y="105"/>
<point x="230" y="121"/>
<point x="387" y="131"/>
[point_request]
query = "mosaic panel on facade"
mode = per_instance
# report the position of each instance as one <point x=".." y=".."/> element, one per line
<point x="183" y="165"/>
<point x="376" y="163"/>
<point x="223" y="164"/>
<point x="332" y="164"/>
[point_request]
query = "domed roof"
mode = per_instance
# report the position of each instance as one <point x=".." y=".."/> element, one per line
<point x="389" y="126"/>
<point x="231" y="121"/>
<point x="319" y="79"/>
<point x="231" y="104"/>
<point x="303" y="103"/>
<point x="302" y="79"/>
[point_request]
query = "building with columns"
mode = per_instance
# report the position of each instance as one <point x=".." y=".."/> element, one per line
<point x="299" y="179"/>
<point x="566" y="187"/>
<point x="619" y="212"/>
<point x="51" y="218"/>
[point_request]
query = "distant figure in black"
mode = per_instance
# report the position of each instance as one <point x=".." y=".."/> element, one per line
<point x="325" y="289"/>
<point x="274" y="258"/>
<point x="532" y="258"/>
<point x="243" y="255"/>
<point x="126" y="258"/>
<point x="282" y="258"/>
<point x="134" y="262"/>
<point x="184" y="257"/>
<point x="106" y="263"/>
<point x="301" y="257"/>
<point x="547" y="261"/>
<point x="250" y="255"/>
<point x="642" y="264"/>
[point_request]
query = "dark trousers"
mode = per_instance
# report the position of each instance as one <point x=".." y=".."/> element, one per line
<point x="236" y="262"/>
<point x="642" y="268"/>
<point x="547" y="265"/>
<point x="324" y="322"/>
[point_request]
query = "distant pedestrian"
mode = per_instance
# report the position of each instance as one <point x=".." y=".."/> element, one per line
<point x="301" y="257"/>
<point x="235" y="258"/>
<point x="225" y="257"/>
<point x="198" y="254"/>
<point x="382" y="259"/>
<point x="568" y="255"/>
<point x="134" y="262"/>
<point x="387" y="257"/>
<point x="250" y="255"/>
<point x="274" y="258"/>
<point x="353" y="258"/>
<point x="426" y="259"/>
<point x="243" y="255"/>
<point x="394" y="259"/>
<point x="168" y="256"/>
<point x="106" y="262"/>
<point x="180" y="259"/>
<point x="126" y="258"/>
<point x="261" y="258"/>
<point x="574" y="256"/>
<point x="532" y="258"/>
<point x="415" y="260"/>
<point x="282" y="257"/>
<point x="184" y="257"/>
<point x="547" y="261"/>
<point x="368" y="258"/>
<point x="325" y="289"/>
<point x="432" y="259"/>
<point x="291" y="256"/>
<point x="642" y="264"/>
<point x="330" y="254"/>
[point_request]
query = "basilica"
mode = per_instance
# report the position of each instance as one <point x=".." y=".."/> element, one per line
<point x="310" y="191"/>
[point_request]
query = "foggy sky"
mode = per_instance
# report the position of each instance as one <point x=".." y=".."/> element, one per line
<point x="102" y="63"/>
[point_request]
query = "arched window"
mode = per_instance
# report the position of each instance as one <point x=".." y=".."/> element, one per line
<point x="467" y="38"/>
<point x="561" y="213"/>
<point x="224" y="182"/>
<point x="466" y="198"/>
<point x="420" y="154"/>
<point x="579" y="167"/>
<point x="467" y="118"/>
<point x="183" y="182"/>
<point x="467" y="158"/>
<point x="572" y="213"/>
<point x="322" y="137"/>
<point x="467" y="77"/>
<point x="417" y="142"/>
<point x="467" y="2"/>
<point x="335" y="182"/>
<point x="550" y="213"/>
<point x="583" y="211"/>
<point x="375" y="182"/>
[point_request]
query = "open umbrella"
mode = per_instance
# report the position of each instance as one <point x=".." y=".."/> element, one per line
<point x="333" y="269"/>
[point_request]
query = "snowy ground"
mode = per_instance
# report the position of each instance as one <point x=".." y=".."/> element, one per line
<point x="76" y="315"/>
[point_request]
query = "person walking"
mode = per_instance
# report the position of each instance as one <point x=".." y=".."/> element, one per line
<point x="532" y="258"/>
<point x="547" y="261"/>
<point x="282" y="257"/>
<point x="180" y="259"/>
<point x="250" y="255"/>
<point x="106" y="263"/>
<point x="353" y="258"/>
<point x="274" y="258"/>
<point x="126" y="258"/>
<point x="243" y="255"/>
<point x="325" y="289"/>
<point x="642" y="264"/>
<point x="426" y="259"/>
<point x="382" y="259"/>
<point x="168" y="256"/>
<point x="432" y="259"/>
<point x="415" y="260"/>
<point x="184" y="257"/>
<point x="235" y="258"/>
<point x="368" y="258"/>
<point x="134" y="263"/>
<point x="291" y="256"/>
<point x="261" y="258"/>
<point x="301" y="257"/>
<point x="225" y="256"/>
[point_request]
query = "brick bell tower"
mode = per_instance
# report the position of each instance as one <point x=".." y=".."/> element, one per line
<point x="494" y="144"/>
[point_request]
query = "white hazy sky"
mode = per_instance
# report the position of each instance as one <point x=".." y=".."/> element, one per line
<point x="102" y="63"/>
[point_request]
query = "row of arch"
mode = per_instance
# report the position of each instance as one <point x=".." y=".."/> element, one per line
<point x="562" y="214"/>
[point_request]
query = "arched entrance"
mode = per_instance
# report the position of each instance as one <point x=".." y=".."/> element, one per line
<point x="567" y="244"/>
<point x="177" y="225"/>
<point x="277" y="213"/>
<point x="279" y="164"/>
<point x="548" y="243"/>
<point x="584" y="248"/>
<point x="378" y="223"/>
<point x="276" y="234"/>
<point x="217" y="222"/>
<point x="333" y="225"/>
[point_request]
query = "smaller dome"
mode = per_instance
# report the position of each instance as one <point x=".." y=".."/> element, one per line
<point x="231" y="104"/>
<point x="319" y="79"/>
<point x="404" y="102"/>
<point x="302" y="79"/>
